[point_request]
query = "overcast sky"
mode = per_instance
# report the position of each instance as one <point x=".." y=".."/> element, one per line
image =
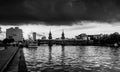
<point x="74" y="16"/>
<point x="57" y="11"/>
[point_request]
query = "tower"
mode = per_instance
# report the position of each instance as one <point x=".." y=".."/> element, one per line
<point x="63" y="35"/>
<point x="50" y="35"/>
<point x="34" y="36"/>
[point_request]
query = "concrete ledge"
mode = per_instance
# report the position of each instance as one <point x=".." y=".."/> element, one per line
<point x="6" y="56"/>
<point x="22" y="64"/>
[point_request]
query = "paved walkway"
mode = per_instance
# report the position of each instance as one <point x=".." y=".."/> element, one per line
<point x="6" y="55"/>
<point x="14" y="64"/>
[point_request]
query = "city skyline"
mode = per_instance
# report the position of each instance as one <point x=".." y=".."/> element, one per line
<point x="70" y="30"/>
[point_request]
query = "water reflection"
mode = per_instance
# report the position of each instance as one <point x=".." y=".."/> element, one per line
<point x="63" y="56"/>
<point x="50" y="55"/>
<point x="73" y="59"/>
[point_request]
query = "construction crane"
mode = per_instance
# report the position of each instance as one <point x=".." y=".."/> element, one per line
<point x="29" y="37"/>
<point x="42" y="36"/>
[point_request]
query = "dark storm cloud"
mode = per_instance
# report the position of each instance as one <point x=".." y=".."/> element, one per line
<point x="57" y="12"/>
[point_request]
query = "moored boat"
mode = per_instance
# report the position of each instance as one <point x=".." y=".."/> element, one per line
<point x="116" y="45"/>
<point x="32" y="45"/>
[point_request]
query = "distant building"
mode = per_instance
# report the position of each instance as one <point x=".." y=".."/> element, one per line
<point x="43" y="38"/>
<point x="82" y="36"/>
<point x="34" y="36"/>
<point x="14" y="33"/>
<point x="0" y="30"/>
<point x="97" y="36"/>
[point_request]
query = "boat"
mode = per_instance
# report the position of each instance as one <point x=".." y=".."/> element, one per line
<point x="116" y="45"/>
<point x="32" y="45"/>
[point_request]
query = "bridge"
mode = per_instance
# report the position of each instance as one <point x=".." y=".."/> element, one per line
<point x="65" y="42"/>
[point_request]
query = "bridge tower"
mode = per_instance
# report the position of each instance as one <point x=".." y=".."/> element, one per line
<point x="50" y="35"/>
<point x="63" y="35"/>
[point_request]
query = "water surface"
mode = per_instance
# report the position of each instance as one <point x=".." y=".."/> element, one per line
<point x="58" y="58"/>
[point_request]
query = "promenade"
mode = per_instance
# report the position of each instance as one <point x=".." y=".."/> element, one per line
<point x="6" y="56"/>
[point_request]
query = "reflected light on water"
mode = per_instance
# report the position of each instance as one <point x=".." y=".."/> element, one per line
<point x="72" y="59"/>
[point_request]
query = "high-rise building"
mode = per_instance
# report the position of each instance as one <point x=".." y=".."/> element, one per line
<point x="34" y="36"/>
<point x="15" y="33"/>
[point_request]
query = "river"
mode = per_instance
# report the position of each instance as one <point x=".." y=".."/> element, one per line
<point x="59" y="58"/>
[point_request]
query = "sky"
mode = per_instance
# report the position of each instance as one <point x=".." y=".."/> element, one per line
<point x="53" y="12"/>
<point x="74" y="16"/>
